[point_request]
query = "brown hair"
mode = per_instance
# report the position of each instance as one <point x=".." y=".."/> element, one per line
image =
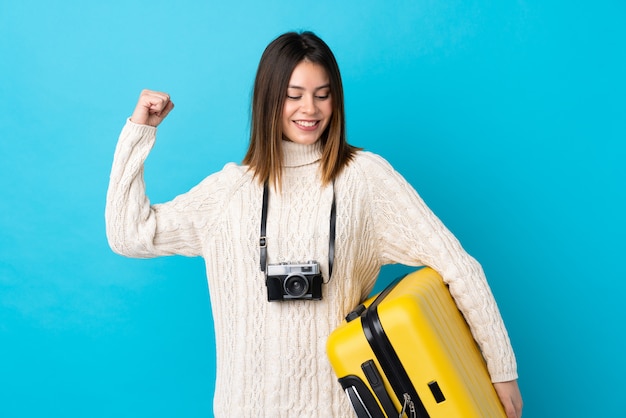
<point x="277" y="63"/>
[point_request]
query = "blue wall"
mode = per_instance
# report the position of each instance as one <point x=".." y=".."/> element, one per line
<point x="509" y="117"/>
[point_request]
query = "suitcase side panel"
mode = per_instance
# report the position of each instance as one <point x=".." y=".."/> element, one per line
<point x="433" y="342"/>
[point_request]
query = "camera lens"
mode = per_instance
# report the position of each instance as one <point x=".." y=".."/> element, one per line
<point x="296" y="286"/>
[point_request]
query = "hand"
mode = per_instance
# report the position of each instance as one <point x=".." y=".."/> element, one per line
<point x="511" y="398"/>
<point x="152" y="108"/>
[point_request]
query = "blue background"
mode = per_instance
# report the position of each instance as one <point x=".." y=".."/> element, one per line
<point x="509" y="117"/>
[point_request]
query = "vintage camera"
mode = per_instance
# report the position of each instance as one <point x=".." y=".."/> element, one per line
<point x="293" y="281"/>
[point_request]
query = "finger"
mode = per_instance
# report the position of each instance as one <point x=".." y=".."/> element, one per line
<point x="153" y="100"/>
<point x="159" y="106"/>
<point x="509" y="408"/>
<point x="510" y="411"/>
<point x="152" y="107"/>
<point x="510" y="397"/>
<point x="145" y="93"/>
<point x="168" y="108"/>
<point x="157" y="103"/>
<point x="512" y="408"/>
<point x="518" y="409"/>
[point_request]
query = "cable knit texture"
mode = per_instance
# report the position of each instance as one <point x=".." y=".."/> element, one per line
<point x="271" y="359"/>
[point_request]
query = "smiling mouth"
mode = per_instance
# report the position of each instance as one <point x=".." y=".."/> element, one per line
<point x="306" y="124"/>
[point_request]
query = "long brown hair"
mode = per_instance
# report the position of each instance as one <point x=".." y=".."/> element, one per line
<point x="265" y="156"/>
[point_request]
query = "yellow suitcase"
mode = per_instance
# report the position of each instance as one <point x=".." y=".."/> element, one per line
<point x="409" y="352"/>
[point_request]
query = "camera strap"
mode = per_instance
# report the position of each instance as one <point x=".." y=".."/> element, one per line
<point x="331" y="239"/>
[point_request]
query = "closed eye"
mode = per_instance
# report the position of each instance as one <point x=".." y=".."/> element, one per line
<point x="324" y="97"/>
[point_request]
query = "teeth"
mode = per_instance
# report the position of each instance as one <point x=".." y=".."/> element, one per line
<point x="305" y="124"/>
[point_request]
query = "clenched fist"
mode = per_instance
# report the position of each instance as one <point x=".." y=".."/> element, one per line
<point x="152" y="108"/>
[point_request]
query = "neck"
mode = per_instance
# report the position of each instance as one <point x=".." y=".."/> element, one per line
<point x="297" y="155"/>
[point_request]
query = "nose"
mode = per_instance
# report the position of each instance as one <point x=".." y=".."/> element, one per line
<point x="308" y="104"/>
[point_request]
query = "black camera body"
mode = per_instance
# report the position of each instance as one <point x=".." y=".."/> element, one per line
<point x="294" y="281"/>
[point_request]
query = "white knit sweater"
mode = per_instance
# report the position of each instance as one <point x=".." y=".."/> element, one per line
<point x="271" y="359"/>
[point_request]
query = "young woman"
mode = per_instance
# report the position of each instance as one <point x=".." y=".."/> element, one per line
<point x="271" y="358"/>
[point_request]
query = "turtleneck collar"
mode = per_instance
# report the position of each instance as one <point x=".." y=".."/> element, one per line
<point x="297" y="155"/>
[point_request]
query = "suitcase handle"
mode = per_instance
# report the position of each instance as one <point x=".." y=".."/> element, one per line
<point x="378" y="386"/>
<point x="363" y="402"/>
<point x="355" y="313"/>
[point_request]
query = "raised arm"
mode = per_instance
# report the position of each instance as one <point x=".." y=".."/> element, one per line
<point x="134" y="227"/>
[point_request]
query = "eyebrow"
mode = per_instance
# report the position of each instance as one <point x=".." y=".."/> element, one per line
<point x="325" y="86"/>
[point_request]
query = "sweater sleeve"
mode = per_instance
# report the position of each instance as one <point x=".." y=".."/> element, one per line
<point x="409" y="233"/>
<point x="134" y="227"/>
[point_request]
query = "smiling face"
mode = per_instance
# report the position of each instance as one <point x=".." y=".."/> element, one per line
<point x="308" y="105"/>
